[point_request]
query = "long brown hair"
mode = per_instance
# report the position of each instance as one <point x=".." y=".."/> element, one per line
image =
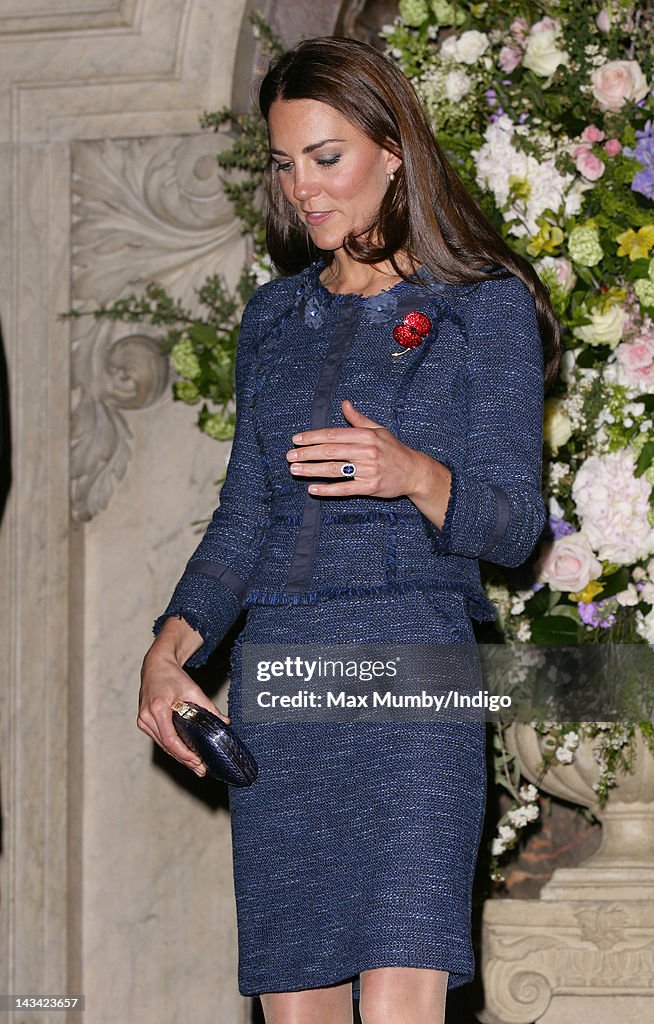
<point x="426" y="214"/>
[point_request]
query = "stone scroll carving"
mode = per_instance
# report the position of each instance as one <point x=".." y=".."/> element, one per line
<point x="143" y="210"/>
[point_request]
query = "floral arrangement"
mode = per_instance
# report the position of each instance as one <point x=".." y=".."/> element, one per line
<point x="547" y="111"/>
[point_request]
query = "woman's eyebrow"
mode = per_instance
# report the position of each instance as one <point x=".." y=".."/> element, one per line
<point x="308" y="149"/>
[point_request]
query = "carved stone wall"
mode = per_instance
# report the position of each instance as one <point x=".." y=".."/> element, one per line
<point x="116" y="870"/>
<point x="115" y="863"/>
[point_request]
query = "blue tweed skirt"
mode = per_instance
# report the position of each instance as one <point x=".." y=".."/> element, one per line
<point x="356" y="846"/>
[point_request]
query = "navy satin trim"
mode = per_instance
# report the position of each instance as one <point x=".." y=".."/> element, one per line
<point x="219" y="572"/>
<point x="501" y="519"/>
<point x="300" y="571"/>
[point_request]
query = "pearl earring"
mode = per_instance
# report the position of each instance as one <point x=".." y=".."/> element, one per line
<point x="391" y="176"/>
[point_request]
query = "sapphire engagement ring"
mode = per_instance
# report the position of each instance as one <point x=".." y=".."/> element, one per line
<point x="349" y="469"/>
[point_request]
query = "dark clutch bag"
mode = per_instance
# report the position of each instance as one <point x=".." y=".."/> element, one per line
<point x="225" y="755"/>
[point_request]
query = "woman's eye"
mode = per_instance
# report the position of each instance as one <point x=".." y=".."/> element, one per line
<point x="329" y="161"/>
<point x="282" y="167"/>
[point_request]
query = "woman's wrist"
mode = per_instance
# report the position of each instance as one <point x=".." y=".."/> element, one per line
<point x="431" y="491"/>
<point x="176" y="642"/>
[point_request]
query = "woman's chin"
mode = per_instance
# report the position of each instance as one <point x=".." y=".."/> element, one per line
<point x="326" y="241"/>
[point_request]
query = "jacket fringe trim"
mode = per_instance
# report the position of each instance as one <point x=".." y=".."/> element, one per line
<point x="480" y="603"/>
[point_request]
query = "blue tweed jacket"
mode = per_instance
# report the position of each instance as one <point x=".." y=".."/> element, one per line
<point x="469" y="393"/>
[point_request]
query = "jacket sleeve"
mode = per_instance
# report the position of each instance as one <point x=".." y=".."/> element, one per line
<point x="208" y="595"/>
<point x="495" y="510"/>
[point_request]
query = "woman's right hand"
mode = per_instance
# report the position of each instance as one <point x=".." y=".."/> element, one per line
<point x="163" y="681"/>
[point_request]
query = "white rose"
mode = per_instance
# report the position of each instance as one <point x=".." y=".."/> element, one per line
<point x="645" y="626"/>
<point x="568" y="564"/>
<point x="471" y="46"/>
<point x="457" y="85"/>
<point x="605" y="327"/>
<point x="449" y="47"/>
<point x="618" y="81"/>
<point x="568" y="363"/>
<point x="542" y="55"/>
<point x="557" y="427"/>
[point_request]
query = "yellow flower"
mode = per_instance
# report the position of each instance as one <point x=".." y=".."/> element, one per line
<point x="636" y="244"/>
<point x="589" y="592"/>
<point x="548" y="239"/>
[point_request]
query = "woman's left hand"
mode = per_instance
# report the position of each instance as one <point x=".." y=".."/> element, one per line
<point x="385" y="468"/>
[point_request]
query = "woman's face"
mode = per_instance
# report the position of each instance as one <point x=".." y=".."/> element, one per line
<point x="331" y="173"/>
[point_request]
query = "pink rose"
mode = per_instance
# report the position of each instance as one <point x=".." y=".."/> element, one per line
<point x="592" y="134"/>
<point x="520" y="27"/>
<point x="544" y="25"/>
<point x="612" y="146"/>
<point x="568" y="564"/>
<point x="510" y="57"/>
<point x="603" y="20"/>
<point x="618" y="82"/>
<point x="637" y="358"/>
<point x="591" y="166"/>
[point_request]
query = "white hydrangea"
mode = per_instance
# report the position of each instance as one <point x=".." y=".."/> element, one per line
<point x="457" y="85"/>
<point x="521" y="816"/>
<point x="262" y="269"/>
<point x="528" y="793"/>
<point x="517" y="817"/>
<point x="523" y="632"/>
<point x="613" y="506"/>
<point x="499" y="164"/>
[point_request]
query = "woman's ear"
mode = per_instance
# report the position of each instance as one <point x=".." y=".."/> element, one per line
<point x="393" y="162"/>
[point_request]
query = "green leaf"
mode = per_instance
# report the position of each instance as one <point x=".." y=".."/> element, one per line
<point x="539" y="603"/>
<point x="645" y="458"/>
<point x="554" y="629"/>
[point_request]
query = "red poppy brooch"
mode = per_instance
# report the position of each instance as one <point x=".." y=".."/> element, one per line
<point x="411" y="331"/>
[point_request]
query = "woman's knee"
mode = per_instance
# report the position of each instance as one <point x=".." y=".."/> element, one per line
<point x="331" y="1005"/>
<point x="403" y="995"/>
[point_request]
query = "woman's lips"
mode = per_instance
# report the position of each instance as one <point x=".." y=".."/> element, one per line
<point x="318" y="218"/>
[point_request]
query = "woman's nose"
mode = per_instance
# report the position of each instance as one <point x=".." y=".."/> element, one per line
<point x="304" y="186"/>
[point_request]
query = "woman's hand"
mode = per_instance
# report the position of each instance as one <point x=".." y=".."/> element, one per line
<point x="163" y="682"/>
<point x="385" y="468"/>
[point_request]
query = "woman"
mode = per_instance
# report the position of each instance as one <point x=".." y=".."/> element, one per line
<point x="389" y="433"/>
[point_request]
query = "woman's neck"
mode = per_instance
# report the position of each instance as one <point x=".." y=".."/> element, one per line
<point x="345" y="276"/>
